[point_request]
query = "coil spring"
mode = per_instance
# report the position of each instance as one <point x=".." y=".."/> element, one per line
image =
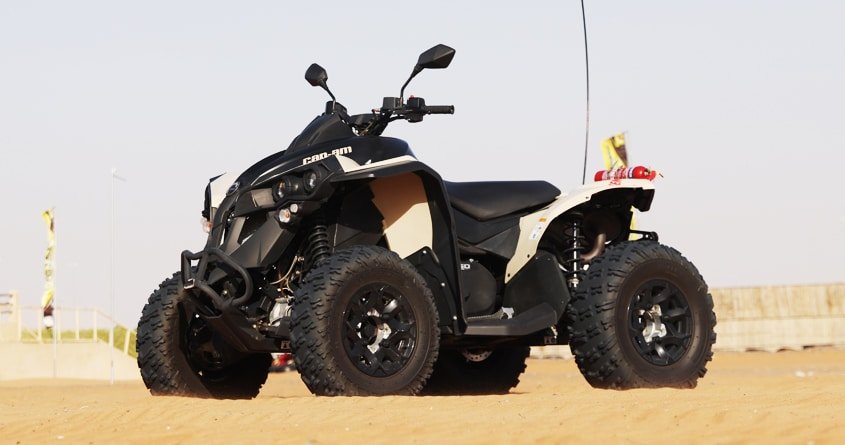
<point x="570" y="255"/>
<point x="317" y="245"/>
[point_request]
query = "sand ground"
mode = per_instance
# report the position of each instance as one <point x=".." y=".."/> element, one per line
<point x="787" y="397"/>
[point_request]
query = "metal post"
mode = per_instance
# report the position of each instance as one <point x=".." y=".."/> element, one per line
<point x="111" y="350"/>
<point x="20" y="318"/>
<point x="126" y="341"/>
<point x="56" y="328"/>
<point x="113" y="255"/>
<point x="111" y="284"/>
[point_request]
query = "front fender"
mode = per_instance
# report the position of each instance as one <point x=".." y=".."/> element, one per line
<point x="417" y="219"/>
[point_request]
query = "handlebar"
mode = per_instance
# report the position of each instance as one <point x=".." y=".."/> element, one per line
<point x="438" y="109"/>
<point x="392" y="109"/>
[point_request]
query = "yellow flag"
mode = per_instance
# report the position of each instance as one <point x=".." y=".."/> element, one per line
<point x="615" y="156"/>
<point x="614" y="152"/>
<point x="49" y="286"/>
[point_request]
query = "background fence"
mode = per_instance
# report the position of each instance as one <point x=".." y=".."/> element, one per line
<point x="75" y="325"/>
<point x="84" y="343"/>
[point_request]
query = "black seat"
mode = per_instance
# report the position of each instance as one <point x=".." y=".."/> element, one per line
<point x="488" y="200"/>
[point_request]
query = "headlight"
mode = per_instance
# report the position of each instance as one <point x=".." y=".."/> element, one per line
<point x="288" y="185"/>
<point x="310" y="180"/>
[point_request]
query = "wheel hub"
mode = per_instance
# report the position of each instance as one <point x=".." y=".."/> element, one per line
<point x="654" y="327"/>
<point x="660" y="322"/>
<point x="376" y="330"/>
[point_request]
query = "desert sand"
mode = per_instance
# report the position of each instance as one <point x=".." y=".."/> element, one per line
<point x="786" y="397"/>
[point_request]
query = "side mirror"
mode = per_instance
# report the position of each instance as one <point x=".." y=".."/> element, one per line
<point x="437" y="57"/>
<point x="317" y="77"/>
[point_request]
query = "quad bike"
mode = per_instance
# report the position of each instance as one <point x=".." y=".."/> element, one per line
<point x="381" y="278"/>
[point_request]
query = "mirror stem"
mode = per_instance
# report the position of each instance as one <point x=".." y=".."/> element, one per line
<point x="414" y="73"/>
<point x="326" y="87"/>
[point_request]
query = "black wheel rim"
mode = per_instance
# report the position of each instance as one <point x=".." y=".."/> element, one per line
<point x="660" y="322"/>
<point x="379" y="330"/>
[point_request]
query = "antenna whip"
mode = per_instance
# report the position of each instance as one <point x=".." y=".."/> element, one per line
<point x="587" y="65"/>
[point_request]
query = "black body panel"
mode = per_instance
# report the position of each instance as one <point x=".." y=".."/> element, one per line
<point x="473" y="231"/>
<point x="324" y="128"/>
<point x="538" y="295"/>
<point x="487" y="200"/>
<point x="540" y="281"/>
<point x="497" y="236"/>
<point x="363" y="149"/>
<point x="503" y="244"/>
<point x="478" y="289"/>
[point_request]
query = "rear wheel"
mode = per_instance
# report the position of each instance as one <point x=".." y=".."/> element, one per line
<point x="179" y="355"/>
<point x="641" y="318"/>
<point x="364" y="323"/>
<point x="477" y="371"/>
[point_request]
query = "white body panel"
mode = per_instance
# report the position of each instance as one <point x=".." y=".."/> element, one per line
<point x="534" y="225"/>
<point x="349" y="165"/>
<point x="220" y="186"/>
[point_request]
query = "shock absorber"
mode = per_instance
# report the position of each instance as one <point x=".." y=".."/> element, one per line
<point x="572" y="253"/>
<point x="317" y="244"/>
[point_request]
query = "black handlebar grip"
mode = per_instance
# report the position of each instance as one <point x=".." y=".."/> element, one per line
<point x="440" y="109"/>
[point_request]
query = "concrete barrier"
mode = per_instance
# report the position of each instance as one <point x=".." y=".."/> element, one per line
<point x="9" y="316"/>
<point x="74" y="361"/>
<point x="780" y="317"/>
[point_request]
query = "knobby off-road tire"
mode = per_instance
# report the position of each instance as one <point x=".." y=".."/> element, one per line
<point x="642" y="317"/>
<point x="364" y="323"/>
<point x="165" y="362"/>
<point x="474" y="372"/>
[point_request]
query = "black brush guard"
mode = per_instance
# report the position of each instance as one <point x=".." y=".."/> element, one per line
<point x="229" y="322"/>
<point x="198" y="281"/>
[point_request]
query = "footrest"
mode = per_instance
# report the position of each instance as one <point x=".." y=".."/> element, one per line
<point x="535" y="319"/>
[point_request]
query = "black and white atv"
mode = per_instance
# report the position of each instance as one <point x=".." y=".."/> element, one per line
<point x="382" y="278"/>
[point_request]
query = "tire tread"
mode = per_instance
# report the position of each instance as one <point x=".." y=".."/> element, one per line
<point x="590" y="316"/>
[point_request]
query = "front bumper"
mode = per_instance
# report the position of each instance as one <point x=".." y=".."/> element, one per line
<point x="198" y="278"/>
<point x="229" y="321"/>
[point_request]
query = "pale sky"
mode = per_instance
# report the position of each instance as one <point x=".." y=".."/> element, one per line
<point x="739" y="104"/>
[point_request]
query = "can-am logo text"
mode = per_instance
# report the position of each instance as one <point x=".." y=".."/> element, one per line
<point x="326" y="154"/>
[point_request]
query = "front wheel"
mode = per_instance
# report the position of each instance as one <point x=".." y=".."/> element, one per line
<point x="641" y="318"/>
<point x="179" y="355"/>
<point x="364" y="323"/>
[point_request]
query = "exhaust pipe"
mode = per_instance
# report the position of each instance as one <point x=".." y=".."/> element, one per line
<point x="598" y="248"/>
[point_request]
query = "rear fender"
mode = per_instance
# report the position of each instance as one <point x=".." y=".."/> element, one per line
<point x="534" y="225"/>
